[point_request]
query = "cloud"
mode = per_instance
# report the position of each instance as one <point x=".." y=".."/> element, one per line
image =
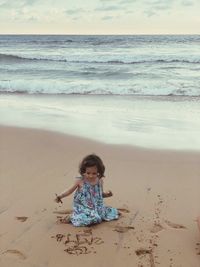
<point x="30" y="2"/>
<point x="74" y="11"/>
<point x="107" y="17"/>
<point x="9" y="4"/>
<point x="128" y="2"/>
<point x="107" y="8"/>
<point x="106" y="1"/>
<point x="30" y="11"/>
<point x="161" y="5"/>
<point x="157" y="6"/>
<point x="17" y="3"/>
<point x="33" y="14"/>
<point x="24" y="14"/>
<point x="149" y="13"/>
<point x="187" y="3"/>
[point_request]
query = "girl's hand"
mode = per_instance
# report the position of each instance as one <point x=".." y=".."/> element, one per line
<point x="58" y="199"/>
<point x="108" y="194"/>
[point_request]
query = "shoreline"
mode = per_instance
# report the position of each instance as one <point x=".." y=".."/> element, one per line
<point x="157" y="190"/>
<point x="142" y="122"/>
<point x="130" y="147"/>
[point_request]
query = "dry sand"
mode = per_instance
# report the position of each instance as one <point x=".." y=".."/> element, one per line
<point x="157" y="192"/>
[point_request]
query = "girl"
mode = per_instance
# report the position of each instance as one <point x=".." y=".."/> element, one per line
<point x="88" y="206"/>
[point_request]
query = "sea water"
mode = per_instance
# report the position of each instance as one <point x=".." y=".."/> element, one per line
<point x="140" y="90"/>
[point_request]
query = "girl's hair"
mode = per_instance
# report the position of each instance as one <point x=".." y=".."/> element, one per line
<point x="90" y="161"/>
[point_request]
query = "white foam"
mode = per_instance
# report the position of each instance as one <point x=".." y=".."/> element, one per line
<point x="96" y="87"/>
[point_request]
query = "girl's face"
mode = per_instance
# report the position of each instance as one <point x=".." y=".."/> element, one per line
<point x="91" y="173"/>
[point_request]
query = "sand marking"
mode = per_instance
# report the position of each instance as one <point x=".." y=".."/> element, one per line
<point x="144" y="252"/>
<point x="63" y="220"/>
<point x="124" y="210"/>
<point x="175" y="225"/>
<point x="156" y="228"/>
<point x="68" y="211"/>
<point x="77" y="250"/>
<point x="121" y="233"/>
<point x="15" y="252"/>
<point x="21" y="218"/>
<point x="123" y="229"/>
<point x="149" y="253"/>
<point x="81" y="243"/>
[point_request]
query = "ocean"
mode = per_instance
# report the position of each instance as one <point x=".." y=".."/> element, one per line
<point x="117" y="65"/>
<point x="141" y="90"/>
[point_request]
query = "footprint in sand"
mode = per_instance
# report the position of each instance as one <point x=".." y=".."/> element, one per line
<point x="98" y="240"/>
<point x="156" y="228"/>
<point x="197" y="248"/>
<point x="21" y="219"/>
<point x="174" y="225"/>
<point x="144" y="252"/>
<point x="15" y="252"/>
<point x="123" y="229"/>
<point x="63" y="212"/>
<point x="124" y="210"/>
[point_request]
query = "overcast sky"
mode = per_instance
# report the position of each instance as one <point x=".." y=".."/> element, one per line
<point x="100" y="16"/>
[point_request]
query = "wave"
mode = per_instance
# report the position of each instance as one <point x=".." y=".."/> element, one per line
<point x="7" y="57"/>
<point x="10" y="57"/>
<point x="100" y="93"/>
<point x="46" y="42"/>
<point x="41" y="87"/>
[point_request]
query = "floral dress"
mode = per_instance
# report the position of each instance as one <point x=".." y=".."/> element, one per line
<point x="88" y="206"/>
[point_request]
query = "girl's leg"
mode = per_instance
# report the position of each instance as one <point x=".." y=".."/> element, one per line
<point x="85" y="220"/>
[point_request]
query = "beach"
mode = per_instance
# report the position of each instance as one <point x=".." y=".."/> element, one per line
<point x="157" y="192"/>
<point x="131" y="99"/>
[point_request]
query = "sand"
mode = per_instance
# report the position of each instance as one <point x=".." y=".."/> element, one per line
<point x="156" y="191"/>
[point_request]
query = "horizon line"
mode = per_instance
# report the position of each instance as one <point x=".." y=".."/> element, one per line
<point x="100" y="34"/>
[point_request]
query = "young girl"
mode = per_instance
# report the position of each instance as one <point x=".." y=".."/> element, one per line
<point x="88" y="205"/>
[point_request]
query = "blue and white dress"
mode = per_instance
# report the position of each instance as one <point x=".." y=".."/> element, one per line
<point x="88" y="206"/>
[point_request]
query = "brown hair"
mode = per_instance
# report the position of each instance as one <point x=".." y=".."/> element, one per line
<point x="90" y="161"/>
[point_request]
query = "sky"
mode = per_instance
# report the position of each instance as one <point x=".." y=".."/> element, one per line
<point x="99" y="17"/>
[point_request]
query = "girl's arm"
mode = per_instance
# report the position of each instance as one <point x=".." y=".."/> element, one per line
<point x="68" y="192"/>
<point x="105" y="194"/>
